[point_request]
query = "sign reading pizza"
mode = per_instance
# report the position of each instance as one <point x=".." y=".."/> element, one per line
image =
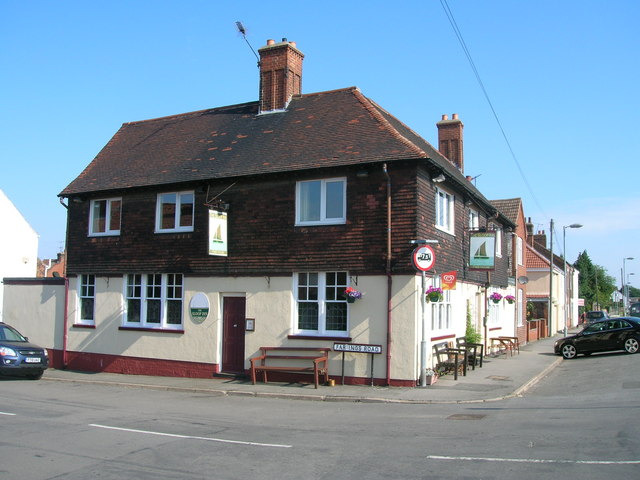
<point x="424" y="258"/>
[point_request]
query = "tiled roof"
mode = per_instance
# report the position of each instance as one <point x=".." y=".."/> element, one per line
<point x="509" y="207"/>
<point x="535" y="260"/>
<point x="326" y="129"/>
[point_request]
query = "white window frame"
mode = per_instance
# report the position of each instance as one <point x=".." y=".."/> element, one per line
<point x="441" y="312"/>
<point x="445" y="211"/>
<point x="86" y="293"/>
<point x="177" y="214"/>
<point x="474" y="219"/>
<point x="144" y="288"/>
<point x="520" y="307"/>
<point x="498" y="231"/>
<point x="493" y="313"/>
<point x="323" y="219"/>
<point x="519" y="251"/>
<point x="109" y="210"/>
<point x="322" y="302"/>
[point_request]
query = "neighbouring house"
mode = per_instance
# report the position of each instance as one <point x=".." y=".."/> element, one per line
<point x="18" y="245"/>
<point x="195" y="239"/>
<point x="513" y="209"/>
<point x="52" y="267"/>
<point x="564" y="289"/>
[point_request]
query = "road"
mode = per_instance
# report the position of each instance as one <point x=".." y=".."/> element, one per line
<point x="582" y="421"/>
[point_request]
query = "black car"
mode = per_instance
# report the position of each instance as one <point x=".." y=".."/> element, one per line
<point x="18" y="356"/>
<point x="605" y="335"/>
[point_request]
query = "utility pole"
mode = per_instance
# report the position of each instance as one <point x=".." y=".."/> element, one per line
<point x="550" y="307"/>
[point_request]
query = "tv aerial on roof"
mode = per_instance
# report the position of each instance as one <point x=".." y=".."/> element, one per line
<point x="243" y="32"/>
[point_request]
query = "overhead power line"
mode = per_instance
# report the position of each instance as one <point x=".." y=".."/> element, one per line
<point x="467" y="53"/>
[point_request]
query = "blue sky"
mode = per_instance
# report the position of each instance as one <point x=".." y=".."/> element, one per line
<point x="561" y="76"/>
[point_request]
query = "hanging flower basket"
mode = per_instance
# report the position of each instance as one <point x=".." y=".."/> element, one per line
<point x="351" y="295"/>
<point x="495" y="297"/>
<point x="510" y="299"/>
<point x="434" y="294"/>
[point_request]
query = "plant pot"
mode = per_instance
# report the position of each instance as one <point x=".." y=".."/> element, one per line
<point x="433" y="298"/>
<point x="495" y="301"/>
<point x="351" y="299"/>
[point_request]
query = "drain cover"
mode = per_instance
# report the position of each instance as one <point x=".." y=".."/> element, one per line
<point x="465" y="416"/>
<point x="498" y="377"/>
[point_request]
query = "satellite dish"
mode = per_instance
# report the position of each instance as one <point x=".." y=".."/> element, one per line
<point x="523" y="280"/>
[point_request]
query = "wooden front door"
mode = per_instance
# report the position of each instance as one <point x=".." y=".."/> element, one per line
<point x="233" y="327"/>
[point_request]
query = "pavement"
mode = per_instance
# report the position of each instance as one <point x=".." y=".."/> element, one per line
<point x="503" y="376"/>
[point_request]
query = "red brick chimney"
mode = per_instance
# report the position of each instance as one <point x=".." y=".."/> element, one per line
<point x="450" y="140"/>
<point x="280" y="74"/>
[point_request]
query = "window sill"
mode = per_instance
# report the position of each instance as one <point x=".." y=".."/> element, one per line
<point x="159" y="330"/>
<point x="318" y="337"/>
<point x="82" y="325"/>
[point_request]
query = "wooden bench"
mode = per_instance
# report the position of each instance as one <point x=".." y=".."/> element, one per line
<point x="304" y="359"/>
<point x="450" y="359"/>
<point x="504" y="345"/>
<point x="475" y="351"/>
<point x="514" y="343"/>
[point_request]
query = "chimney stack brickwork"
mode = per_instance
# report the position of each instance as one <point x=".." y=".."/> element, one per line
<point x="450" y="142"/>
<point x="280" y="74"/>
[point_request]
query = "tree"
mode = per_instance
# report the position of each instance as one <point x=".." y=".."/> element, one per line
<point x="594" y="284"/>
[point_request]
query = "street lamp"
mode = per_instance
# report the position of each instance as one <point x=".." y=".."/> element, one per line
<point x="564" y="253"/>
<point x="625" y="290"/>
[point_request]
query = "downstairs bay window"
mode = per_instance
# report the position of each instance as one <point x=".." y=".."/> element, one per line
<point x="321" y="309"/>
<point x="153" y="300"/>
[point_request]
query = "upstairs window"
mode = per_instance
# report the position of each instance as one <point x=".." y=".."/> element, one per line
<point x="104" y="217"/>
<point x="519" y="252"/>
<point x="321" y="202"/>
<point x="474" y="220"/>
<point x="174" y="212"/>
<point x="445" y="211"/>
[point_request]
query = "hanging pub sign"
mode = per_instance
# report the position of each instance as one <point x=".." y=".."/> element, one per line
<point x="217" y="233"/>
<point x="448" y="280"/>
<point x="482" y="250"/>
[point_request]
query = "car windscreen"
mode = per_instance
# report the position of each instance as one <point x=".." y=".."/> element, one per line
<point x="10" y="334"/>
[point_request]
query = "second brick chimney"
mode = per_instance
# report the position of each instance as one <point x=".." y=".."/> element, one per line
<point x="450" y="140"/>
<point x="280" y="74"/>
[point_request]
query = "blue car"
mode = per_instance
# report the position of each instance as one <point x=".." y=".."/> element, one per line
<point x="18" y="356"/>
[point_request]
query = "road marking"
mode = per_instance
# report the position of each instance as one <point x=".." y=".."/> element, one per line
<point x="191" y="437"/>
<point x="10" y="414"/>
<point x="536" y="460"/>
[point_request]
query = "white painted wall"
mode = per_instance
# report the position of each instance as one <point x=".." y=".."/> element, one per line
<point x="18" y="245"/>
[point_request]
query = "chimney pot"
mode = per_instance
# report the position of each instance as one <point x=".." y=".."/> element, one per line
<point x="284" y="39"/>
<point x="280" y="74"/>
<point x="455" y="116"/>
<point x="445" y="117"/>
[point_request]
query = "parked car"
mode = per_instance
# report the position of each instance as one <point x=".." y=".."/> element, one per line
<point x="634" y="309"/>
<point x="18" y="356"/>
<point x="602" y="336"/>
<point x="596" y="315"/>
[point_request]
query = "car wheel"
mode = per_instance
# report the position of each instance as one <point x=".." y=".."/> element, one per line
<point x="569" y="351"/>
<point x="631" y="345"/>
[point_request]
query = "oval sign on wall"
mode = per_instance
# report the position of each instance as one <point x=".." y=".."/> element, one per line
<point x="199" y="307"/>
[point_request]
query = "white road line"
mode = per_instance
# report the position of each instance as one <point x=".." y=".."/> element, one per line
<point x="536" y="460"/>
<point x="10" y="414"/>
<point x="191" y="437"/>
